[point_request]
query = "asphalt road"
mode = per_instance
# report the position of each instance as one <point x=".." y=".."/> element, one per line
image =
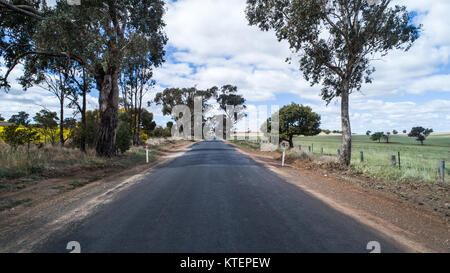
<point x="214" y="199"/>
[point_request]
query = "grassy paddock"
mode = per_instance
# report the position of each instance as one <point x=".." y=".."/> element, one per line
<point x="419" y="163"/>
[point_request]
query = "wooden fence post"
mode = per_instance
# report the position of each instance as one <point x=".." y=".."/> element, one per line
<point x="442" y="170"/>
<point x="362" y="156"/>
<point x="394" y="160"/>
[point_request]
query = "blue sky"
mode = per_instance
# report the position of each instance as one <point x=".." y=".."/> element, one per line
<point x="211" y="44"/>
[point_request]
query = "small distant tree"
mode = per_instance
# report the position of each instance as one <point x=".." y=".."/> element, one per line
<point x="47" y="122"/>
<point x="22" y="118"/>
<point x="16" y="136"/>
<point x="2" y="118"/>
<point x="326" y="131"/>
<point x="404" y="131"/>
<point x="420" y="133"/>
<point x="387" y="136"/>
<point x="377" y="136"/>
<point x="395" y="132"/>
<point x="368" y="133"/>
<point x="147" y="122"/>
<point x="295" y="119"/>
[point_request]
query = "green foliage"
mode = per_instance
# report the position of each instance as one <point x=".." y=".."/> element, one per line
<point x="21" y="118"/>
<point x="99" y="36"/>
<point x="2" y="118"/>
<point x="161" y="132"/>
<point x="420" y="133"/>
<point x="232" y="105"/>
<point x="48" y="122"/>
<point x="354" y="31"/>
<point x="147" y="122"/>
<point x="368" y="133"/>
<point x="172" y="97"/>
<point x="16" y="136"/>
<point x="123" y="138"/>
<point x="90" y="132"/>
<point x="295" y="119"/>
<point x="377" y="136"/>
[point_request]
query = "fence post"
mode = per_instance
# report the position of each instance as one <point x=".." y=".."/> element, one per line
<point x="442" y="170"/>
<point x="394" y="160"/>
<point x="399" y="161"/>
<point x="338" y="152"/>
<point x="300" y="148"/>
<point x="309" y="148"/>
<point x="321" y="151"/>
<point x="312" y="147"/>
<point x="362" y="156"/>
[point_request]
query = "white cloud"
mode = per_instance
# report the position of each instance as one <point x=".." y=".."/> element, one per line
<point x="211" y="44"/>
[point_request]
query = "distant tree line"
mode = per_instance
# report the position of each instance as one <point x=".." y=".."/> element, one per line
<point x="419" y="133"/>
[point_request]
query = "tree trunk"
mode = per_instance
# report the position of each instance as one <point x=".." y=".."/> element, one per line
<point x="139" y="117"/>
<point x="346" y="154"/>
<point x="61" y="122"/>
<point x="83" y="115"/>
<point x="109" y="113"/>
<point x="291" y="142"/>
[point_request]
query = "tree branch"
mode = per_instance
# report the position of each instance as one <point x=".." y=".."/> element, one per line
<point x="23" y="9"/>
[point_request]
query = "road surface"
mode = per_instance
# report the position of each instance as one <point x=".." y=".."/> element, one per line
<point x="214" y="199"/>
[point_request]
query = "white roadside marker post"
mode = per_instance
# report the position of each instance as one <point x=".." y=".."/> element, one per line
<point x="284" y="153"/>
<point x="146" y="154"/>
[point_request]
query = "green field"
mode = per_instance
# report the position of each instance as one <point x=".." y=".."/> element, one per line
<point x="418" y="163"/>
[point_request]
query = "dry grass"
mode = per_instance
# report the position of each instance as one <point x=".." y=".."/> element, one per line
<point x="15" y="163"/>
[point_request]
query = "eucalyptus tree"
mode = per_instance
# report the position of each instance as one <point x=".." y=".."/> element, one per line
<point x="136" y="82"/>
<point x="336" y="41"/>
<point x="172" y="97"/>
<point x="81" y="82"/>
<point x="232" y="105"/>
<point x="295" y="119"/>
<point x="96" y="35"/>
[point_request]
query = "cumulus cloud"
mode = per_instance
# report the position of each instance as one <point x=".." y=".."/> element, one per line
<point x="211" y="43"/>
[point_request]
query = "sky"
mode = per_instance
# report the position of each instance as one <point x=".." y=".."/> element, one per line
<point x="211" y="44"/>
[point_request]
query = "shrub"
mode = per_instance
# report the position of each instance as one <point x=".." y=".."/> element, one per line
<point x="123" y="138"/>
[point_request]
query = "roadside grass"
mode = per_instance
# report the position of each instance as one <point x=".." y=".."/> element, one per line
<point x="26" y="167"/>
<point x="245" y="143"/>
<point x="419" y="163"/>
<point x="9" y="204"/>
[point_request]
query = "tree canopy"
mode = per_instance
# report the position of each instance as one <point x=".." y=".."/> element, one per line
<point x="295" y="119"/>
<point x="420" y="133"/>
<point x="336" y="40"/>
<point x="98" y="35"/>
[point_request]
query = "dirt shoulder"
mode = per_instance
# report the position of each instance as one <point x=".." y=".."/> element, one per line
<point x="56" y="202"/>
<point x="415" y="224"/>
